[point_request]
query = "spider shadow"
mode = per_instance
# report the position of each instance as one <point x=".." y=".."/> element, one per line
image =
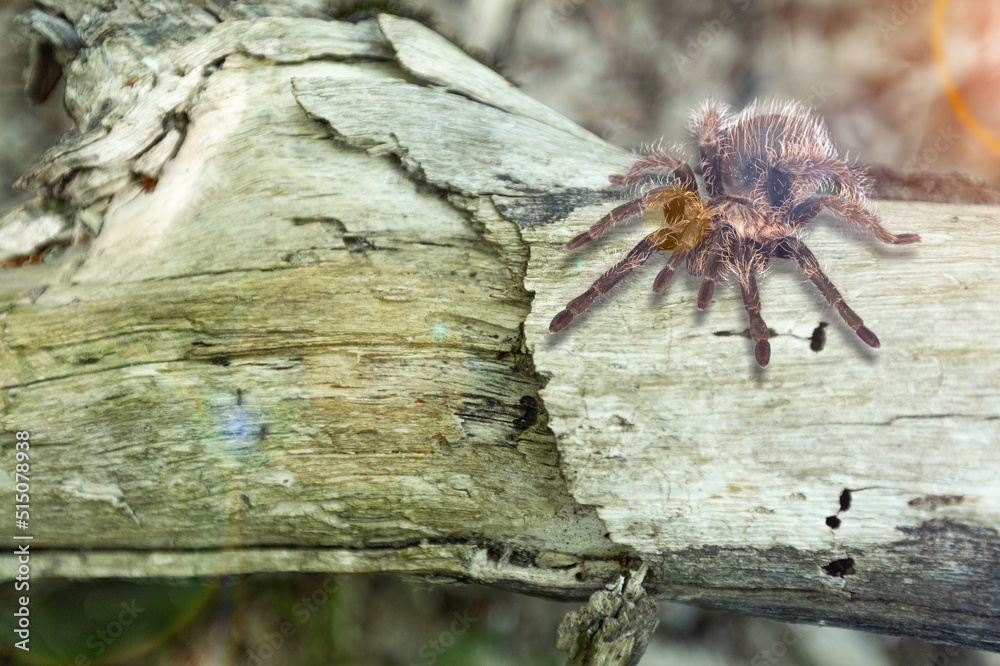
<point x="827" y="225"/>
<point x="687" y="285"/>
<point x="825" y="312"/>
<point x="596" y="310"/>
<point x="587" y="259"/>
<point x="684" y="287"/>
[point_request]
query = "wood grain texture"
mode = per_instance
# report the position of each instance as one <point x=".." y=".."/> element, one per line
<point x="319" y="343"/>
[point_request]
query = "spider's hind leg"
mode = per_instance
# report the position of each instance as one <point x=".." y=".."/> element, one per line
<point x="796" y="249"/>
<point x="852" y="212"/>
<point x="635" y="258"/>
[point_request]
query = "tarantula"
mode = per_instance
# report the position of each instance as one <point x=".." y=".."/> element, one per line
<point x="768" y="172"/>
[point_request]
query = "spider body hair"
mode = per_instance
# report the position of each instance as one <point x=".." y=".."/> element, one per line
<point x="768" y="170"/>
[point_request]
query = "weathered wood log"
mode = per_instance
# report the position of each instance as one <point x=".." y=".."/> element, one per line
<point x="310" y="334"/>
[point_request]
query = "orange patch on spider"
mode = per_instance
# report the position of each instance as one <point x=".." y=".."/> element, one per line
<point x="681" y="219"/>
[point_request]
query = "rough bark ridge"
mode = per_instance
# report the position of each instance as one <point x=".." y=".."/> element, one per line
<point x="309" y="335"/>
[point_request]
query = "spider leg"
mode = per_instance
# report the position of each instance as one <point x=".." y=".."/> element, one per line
<point x="635" y="258"/>
<point x="707" y="260"/>
<point x="623" y="212"/>
<point x="712" y="272"/>
<point x="796" y="249"/>
<point x="805" y="212"/>
<point x="854" y="213"/>
<point x="650" y="167"/>
<point x="626" y="211"/>
<point x="709" y="131"/>
<point x="811" y="170"/>
<point x="746" y="273"/>
<point x="663" y="277"/>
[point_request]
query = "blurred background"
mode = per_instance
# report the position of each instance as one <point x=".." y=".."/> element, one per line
<point x="907" y="86"/>
<point x="910" y="85"/>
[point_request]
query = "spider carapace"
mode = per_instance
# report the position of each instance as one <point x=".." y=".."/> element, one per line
<point x="768" y="172"/>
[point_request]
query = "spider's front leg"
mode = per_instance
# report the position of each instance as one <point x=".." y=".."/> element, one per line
<point x="652" y="167"/>
<point x="624" y="212"/>
<point x="635" y="258"/>
<point x="647" y="169"/>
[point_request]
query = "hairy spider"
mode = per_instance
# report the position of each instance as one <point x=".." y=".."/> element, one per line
<point x="768" y="172"/>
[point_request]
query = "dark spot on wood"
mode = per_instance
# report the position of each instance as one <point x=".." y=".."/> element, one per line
<point x="845" y="500"/>
<point x="623" y="423"/>
<point x="262" y="432"/>
<point x="745" y="333"/>
<point x="530" y="415"/>
<point x="239" y="396"/>
<point x="832" y="522"/>
<point x="43" y="72"/>
<point x="499" y="552"/>
<point x="522" y="558"/>
<point x="840" y="568"/>
<point x="818" y="339"/>
<point x="245" y="501"/>
<point x="358" y="244"/>
<point x="518" y="184"/>
<point x="548" y="208"/>
<point x="148" y="183"/>
<point x="331" y="224"/>
<point x="932" y="502"/>
<point x="21" y="260"/>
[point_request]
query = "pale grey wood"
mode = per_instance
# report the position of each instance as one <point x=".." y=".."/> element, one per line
<point x="436" y="61"/>
<point x="321" y="338"/>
